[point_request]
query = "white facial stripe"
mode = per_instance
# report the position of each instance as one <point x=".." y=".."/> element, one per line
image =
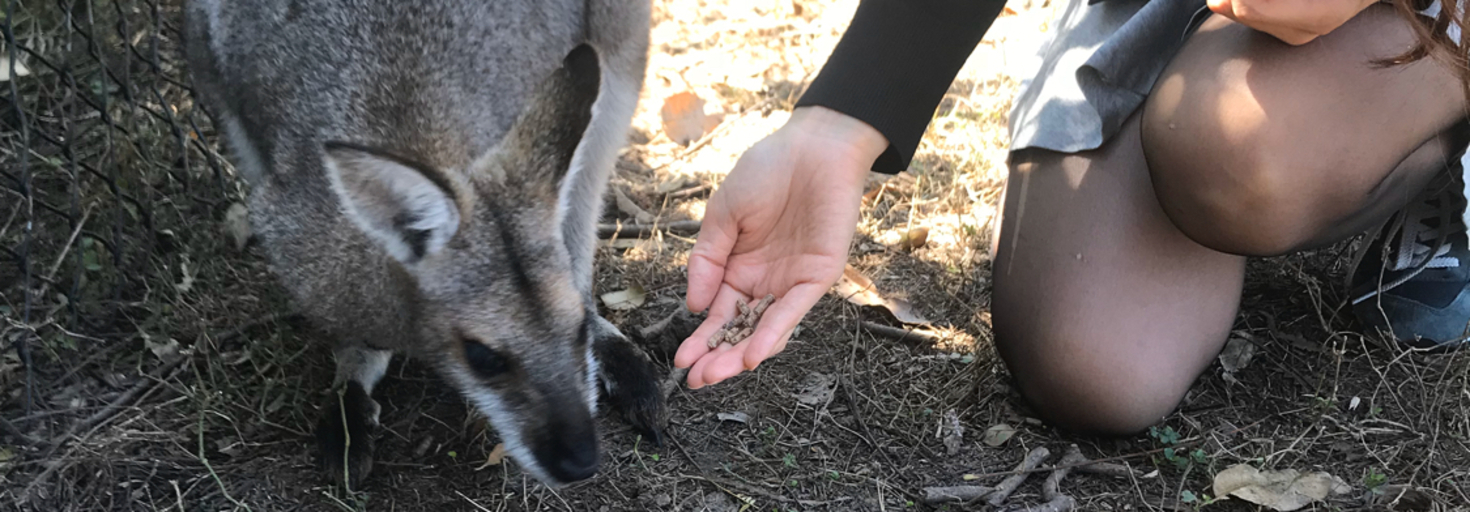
<point x="491" y="406"/>
<point x="593" y="370"/>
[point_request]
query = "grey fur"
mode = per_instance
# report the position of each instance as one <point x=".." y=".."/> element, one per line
<point x="441" y="102"/>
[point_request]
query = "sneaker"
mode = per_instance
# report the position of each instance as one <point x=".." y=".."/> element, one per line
<point x="1418" y="285"/>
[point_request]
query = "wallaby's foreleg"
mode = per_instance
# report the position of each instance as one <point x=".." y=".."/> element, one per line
<point x="349" y="418"/>
<point x="629" y="381"/>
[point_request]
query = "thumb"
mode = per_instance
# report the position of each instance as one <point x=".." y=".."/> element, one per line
<point x="717" y="236"/>
<point x="1224" y="8"/>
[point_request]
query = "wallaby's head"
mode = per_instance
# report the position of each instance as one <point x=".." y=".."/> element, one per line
<point x="494" y="297"/>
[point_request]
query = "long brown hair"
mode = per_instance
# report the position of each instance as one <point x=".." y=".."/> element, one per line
<point x="1434" y="37"/>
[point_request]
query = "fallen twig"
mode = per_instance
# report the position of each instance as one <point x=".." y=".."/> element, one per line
<point x="956" y="494"/>
<point x="1102" y="465"/>
<point x="1106" y="469"/>
<point x="627" y="206"/>
<point x="1051" y="489"/>
<point x="682" y="227"/>
<point x="691" y="191"/>
<point x="902" y="335"/>
<point x="1010" y="484"/>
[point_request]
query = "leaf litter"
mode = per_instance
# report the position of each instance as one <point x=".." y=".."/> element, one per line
<point x="1284" y="490"/>
<point x="858" y="289"/>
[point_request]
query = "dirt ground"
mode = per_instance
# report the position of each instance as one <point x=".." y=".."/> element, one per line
<point x="200" y="390"/>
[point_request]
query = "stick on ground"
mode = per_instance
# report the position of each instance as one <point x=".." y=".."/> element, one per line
<point x="957" y="494"/>
<point x="1051" y="489"/>
<point x="682" y="227"/>
<point x="904" y="335"/>
<point x="1010" y="484"/>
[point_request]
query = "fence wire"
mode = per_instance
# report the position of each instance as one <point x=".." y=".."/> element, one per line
<point x="105" y="173"/>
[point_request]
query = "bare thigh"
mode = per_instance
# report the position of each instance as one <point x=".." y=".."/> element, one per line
<point x="1118" y="271"/>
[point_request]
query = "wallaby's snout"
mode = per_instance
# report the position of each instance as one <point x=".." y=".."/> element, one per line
<point x="567" y="449"/>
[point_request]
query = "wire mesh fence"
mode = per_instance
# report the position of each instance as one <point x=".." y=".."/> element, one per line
<point x="105" y="173"/>
<point x="103" y="164"/>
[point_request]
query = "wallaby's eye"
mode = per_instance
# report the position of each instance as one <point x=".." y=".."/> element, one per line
<point x="485" y="361"/>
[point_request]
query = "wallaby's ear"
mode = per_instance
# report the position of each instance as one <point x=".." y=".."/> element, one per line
<point x="541" y="143"/>
<point x="407" y="209"/>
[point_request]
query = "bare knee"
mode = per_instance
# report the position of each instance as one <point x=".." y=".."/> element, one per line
<point x="1118" y="401"/>
<point x="1101" y="383"/>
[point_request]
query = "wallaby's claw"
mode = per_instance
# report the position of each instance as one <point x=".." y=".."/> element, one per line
<point x="345" y="437"/>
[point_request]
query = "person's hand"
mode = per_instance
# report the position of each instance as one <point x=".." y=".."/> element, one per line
<point x="780" y="224"/>
<point x="1295" y="22"/>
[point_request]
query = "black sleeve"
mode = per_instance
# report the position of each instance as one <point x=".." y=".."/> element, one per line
<point x="894" y="64"/>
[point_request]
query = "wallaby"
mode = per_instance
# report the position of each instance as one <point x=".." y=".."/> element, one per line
<point x="426" y="178"/>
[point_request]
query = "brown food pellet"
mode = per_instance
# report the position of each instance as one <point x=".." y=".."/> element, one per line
<point x="743" y="325"/>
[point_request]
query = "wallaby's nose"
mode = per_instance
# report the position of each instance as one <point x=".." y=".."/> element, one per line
<point x="569" y="452"/>
<point x="580" y="463"/>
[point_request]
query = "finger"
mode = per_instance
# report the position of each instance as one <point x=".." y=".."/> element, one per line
<point x="1222" y="7"/>
<point x="697" y="344"/>
<point x="781" y="345"/>
<point x="696" y="378"/>
<point x="717" y="236"/>
<point x="724" y="364"/>
<point x="781" y="318"/>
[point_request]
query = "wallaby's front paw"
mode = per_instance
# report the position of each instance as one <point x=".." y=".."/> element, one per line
<point x="345" y="436"/>
<point x="663" y="338"/>
<point x="632" y="387"/>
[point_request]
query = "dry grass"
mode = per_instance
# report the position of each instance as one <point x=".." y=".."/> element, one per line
<point x="155" y="395"/>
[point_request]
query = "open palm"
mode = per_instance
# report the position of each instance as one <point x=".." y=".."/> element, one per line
<point x="781" y="225"/>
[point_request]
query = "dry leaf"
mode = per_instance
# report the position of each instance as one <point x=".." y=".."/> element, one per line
<point x="237" y="225"/>
<point x="166" y="350"/>
<point x="738" y="417"/>
<point x="998" y="434"/>
<point x="816" y="389"/>
<point x="858" y="289"/>
<point x="20" y="69"/>
<point x="188" y="282"/>
<point x="624" y="300"/>
<point x="954" y="436"/>
<point x="1283" y="490"/>
<point x="1236" y="356"/>
<point x="497" y="455"/>
<point x="684" y="118"/>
